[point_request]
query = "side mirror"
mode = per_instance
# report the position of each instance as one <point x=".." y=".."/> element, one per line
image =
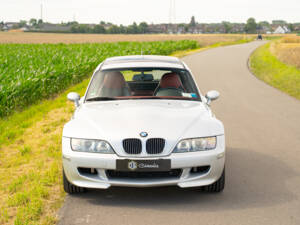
<point x="211" y="96"/>
<point x="74" y="97"/>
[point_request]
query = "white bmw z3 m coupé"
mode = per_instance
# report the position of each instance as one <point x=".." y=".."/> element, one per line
<point x="143" y="122"/>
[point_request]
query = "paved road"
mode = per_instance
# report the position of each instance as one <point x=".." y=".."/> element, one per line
<point x="263" y="159"/>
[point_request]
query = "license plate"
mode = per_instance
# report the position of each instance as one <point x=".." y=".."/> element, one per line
<point x="143" y="165"/>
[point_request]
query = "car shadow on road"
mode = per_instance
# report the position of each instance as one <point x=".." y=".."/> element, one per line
<point x="253" y="179"/>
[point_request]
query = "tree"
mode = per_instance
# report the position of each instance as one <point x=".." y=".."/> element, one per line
<point x="72" y="23"/>
<point x="83" y="28"/>
<point x="186" y="28"/>
<point x="122" y="29"/>
<point x="99" y="29"/>
<point x="291" y="27"/>
<point x="40" y="21"/>
<point x="74" y="28"/>
<point x="193" y="22"/>
<point x="227" y="26"/>
<point x="114" y="29"/>
<point x="80" y="28"/>
<point x="251" y="25"/>
<point x="143" y="27"/>
<point x="264" y="23"/>
<point x="22" y="23"/>
<point x="33" y="22"/>
<point x="279" y="22"/>
<point x="133" y="29"/>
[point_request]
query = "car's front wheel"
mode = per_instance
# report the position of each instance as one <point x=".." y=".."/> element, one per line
<point x="218" y="186"/>
<point x="71" y="188"/>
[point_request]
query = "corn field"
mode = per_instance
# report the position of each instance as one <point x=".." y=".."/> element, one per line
<point x="32" y="72"/>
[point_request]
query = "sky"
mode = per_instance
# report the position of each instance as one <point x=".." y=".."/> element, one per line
<point x="151" y="11"/>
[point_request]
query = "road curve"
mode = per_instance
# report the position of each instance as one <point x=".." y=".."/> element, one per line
<point x="263" y="159"/>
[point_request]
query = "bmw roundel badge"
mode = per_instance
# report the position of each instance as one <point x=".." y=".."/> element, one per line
<point x="143" y="134"/>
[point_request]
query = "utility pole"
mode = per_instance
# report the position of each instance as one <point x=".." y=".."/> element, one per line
<point x="41" y="11"/>
<point x="172" y="13"/>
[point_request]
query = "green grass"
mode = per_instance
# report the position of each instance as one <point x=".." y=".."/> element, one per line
<point x="31" y="167"/>
<point x="14" y="126"/>
<point x="50" y="68"/>
<point x="269" y="69"/>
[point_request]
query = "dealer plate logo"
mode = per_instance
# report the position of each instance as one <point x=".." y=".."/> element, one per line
<point x="132" y="165"/>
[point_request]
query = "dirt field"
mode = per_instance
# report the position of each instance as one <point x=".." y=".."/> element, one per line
<point x="203" y="39"/>
<point x="288" y="50"/>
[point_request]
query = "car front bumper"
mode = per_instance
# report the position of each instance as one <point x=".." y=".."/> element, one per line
<point x="100" y="163"/>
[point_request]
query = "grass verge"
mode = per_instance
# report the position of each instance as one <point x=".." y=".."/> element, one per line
<point x="30" y="161"/>
<point x="268" y="68"/>
<point x="30" y="158"/>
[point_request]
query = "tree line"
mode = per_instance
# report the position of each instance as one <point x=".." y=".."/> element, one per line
<point x="250" y="27"/>
<point x="109" y="28"/>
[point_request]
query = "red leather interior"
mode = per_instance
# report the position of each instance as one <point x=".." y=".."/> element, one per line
<point x="114" y="79"/>
<point x="170" y="80"/>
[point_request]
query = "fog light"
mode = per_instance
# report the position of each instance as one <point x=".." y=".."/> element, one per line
<point x="200" y="169"/>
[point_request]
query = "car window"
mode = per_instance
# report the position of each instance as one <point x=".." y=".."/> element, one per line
<point x="142" y="83"/>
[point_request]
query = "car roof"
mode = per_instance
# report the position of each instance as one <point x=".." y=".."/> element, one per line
<point x="134" y="61"/>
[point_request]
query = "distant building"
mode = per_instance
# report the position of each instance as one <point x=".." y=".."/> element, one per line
<point x="4" y="28"/>
<point x="238" y="28"/>
<point x="49" y="27"/>
<point x="10" y="25"/>
<point x="158" y="28"/>
<point x="24" y="28"/>
<point x="281" y="30"/>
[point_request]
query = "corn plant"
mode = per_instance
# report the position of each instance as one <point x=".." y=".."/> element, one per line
<point x="32" y="72"/>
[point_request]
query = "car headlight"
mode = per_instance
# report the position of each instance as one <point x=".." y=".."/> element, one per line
<point x="196" y="144"/>
<point x="94" y="146"/>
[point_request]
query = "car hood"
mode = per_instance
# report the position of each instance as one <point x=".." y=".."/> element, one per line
<point x="114" y="121"/>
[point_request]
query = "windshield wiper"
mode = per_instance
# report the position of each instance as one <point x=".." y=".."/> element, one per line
<point x="100" y="99"/>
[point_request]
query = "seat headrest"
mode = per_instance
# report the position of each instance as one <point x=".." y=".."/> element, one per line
<point x="114" y="79"/>
<point x="170" y="80"/>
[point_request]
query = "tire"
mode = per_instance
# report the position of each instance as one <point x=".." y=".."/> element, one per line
<point x="71" y="188"/>
<point x="218" y="186"/>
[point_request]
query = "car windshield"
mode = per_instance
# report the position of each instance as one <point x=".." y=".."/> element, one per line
<point x="142" y="83"/>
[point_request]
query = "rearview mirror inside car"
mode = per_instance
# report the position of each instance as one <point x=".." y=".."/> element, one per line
<point x="143" y="77"/>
